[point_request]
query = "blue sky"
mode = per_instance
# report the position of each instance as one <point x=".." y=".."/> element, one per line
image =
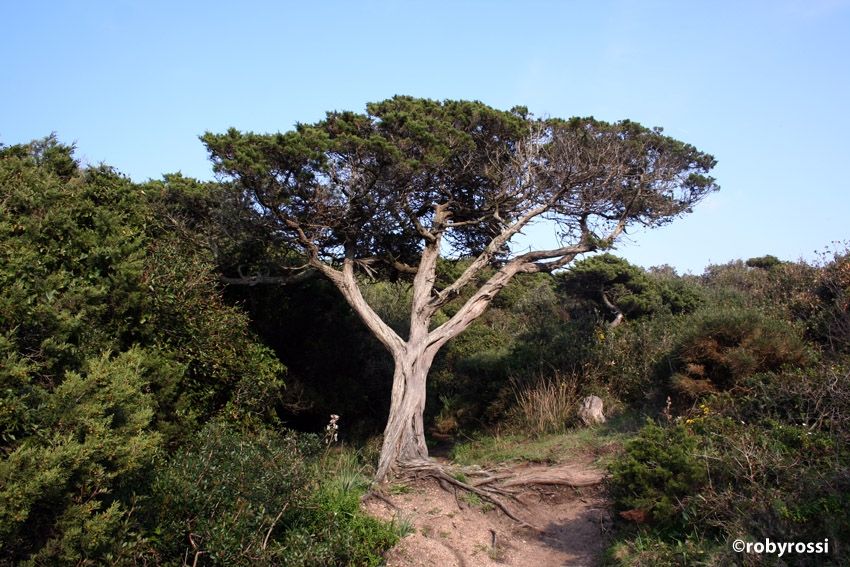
<point x="764" y="86"/>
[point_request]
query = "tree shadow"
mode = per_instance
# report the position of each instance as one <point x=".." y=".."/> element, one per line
<point x="582" y="537"/>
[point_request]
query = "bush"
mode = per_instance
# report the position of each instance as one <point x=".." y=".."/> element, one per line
<point x="183" y="313"/>
<point x="547" y="405"/>
<point x="817" y="396"/>
<point x="829" y="309"/>
<point x="614" y="285"/>
<point x="330" y="529"/>
<point x="658" y="474"/>
<point x="723" y="347"/>
<point x="774" y="479"/>
<point x="256" y="497"/>
<point x="114" y="344"/>
<point x="67" y="493"/>
<point x="633" y="361"/>
<point x="776" y="456"/>
<point x="218" y="497"/>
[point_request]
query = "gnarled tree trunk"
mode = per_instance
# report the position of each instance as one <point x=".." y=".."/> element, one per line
<point x="404" y="435"/>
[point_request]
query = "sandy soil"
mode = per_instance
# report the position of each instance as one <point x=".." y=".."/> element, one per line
<point x="570" y="527"/>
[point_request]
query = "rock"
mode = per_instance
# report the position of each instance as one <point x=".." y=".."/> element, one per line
<point x="590" y="411"/>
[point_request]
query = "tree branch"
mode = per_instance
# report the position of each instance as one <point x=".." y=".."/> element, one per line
<point x="346" y="282"/>
<point x="260" y="279"/>
<point x="483" y="259"/>
<point x="618" y="315"/>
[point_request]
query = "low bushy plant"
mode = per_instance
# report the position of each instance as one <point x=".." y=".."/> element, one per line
<point x="546" y="405"/>
<point x="236" y="496"/>
<point x="658" y="473"/>
<point x="67" y="492"/>
<point x="723" y="347"/>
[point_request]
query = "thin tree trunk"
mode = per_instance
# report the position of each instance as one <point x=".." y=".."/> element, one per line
<point x="618" y="315"/>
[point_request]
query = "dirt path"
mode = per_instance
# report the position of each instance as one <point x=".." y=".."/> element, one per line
<point x="572" y="526"/>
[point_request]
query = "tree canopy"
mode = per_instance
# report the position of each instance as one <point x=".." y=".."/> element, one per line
<point x="625" y="290"/>
<point x="367" y="186"/>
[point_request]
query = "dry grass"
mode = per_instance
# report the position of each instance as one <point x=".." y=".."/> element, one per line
<point x="546" y="406"/>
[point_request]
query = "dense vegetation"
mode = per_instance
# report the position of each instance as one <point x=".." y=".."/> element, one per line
<point x="137" y="409"/>
<point x="150" y="413"/>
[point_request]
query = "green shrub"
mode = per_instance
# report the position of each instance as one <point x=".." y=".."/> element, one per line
<point x="817" y="397"/>
<point x="67" y="492"/>
<point x="631" y="359"/>
<point x="607" y="280"/>
<point x="658" y="473"/>
<point x="114" y="344"/>
<point x="218" y="496"/>
<point x="330" y="529"/>
<point x="767" y="262"/>
<point x="256" y="497"/>
<point x="793" y="480"/>
<point x="775" y="461"/>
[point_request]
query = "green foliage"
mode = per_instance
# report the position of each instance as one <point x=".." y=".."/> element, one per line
<point x="48" y="154"/>
<point x="658" y="472"/>
<point x="256" y="497"/>
<point x="780" y="446"/>
<point x="66" y="493"/>
<point x="632" y="362"/>
<point x="764" y="262"/>
<point x="620" y="283"/>
<point x="116" y="347"/>
<point x="114" y="344"/>
<point x="782" y="290"/>
<point x="331" y="529"/>
<point x="816" y="396"/>
<point x="226" y="369"/>
<point x="71" y="250"/>
<point x="219" y="495"/>
<point x="607" y="280"/>
<point x="83" y="274"/>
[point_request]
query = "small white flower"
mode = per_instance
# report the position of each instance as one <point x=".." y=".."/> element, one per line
<point x="331" y="430"/>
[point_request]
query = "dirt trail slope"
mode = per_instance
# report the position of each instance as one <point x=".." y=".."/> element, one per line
<point x="571" y="527"/>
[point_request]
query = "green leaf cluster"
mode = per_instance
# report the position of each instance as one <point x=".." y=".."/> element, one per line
<point x="115" y="344"/>
<point x="632" y="290"/>
<point x="658" y="471"/>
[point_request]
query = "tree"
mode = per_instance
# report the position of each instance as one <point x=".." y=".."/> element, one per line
<point x="387" y="192"/>
<point x="764" y="262"/>
<point x="624" y="290"/>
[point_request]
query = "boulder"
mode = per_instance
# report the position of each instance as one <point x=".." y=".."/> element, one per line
<point x="590" y="411"/>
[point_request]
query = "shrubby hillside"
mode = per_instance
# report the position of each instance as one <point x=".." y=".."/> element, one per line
<point x="153" y="411"/>
<point x="138" y="417"/>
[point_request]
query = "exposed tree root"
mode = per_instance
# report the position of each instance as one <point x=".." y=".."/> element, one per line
<point x="378" y="495"/>
<point x="499" y="486"/>
<point x="565" y="475"/>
